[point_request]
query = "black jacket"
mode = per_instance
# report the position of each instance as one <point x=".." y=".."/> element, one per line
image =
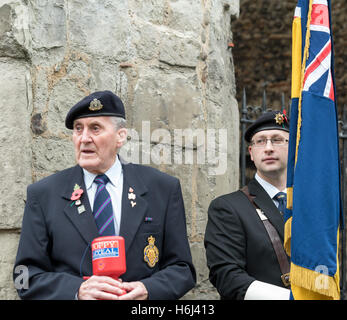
<point x="55" y="238"/>
<point x="238" y="248"/>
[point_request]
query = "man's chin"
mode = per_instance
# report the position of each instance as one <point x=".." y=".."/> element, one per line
<point x="89" y="165"/>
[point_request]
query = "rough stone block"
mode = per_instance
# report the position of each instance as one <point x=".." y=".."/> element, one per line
<point x="51" y="155"/>
<point x="14" y="35"/>
<point x="178" y="50"/>
<point x="9" y="244"/>
<point x="15" y="139"/>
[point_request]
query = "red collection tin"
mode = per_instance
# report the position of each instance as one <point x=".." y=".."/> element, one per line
<point x="108" y="256"/>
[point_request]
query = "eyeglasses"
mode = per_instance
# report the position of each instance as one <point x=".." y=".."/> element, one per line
<point x="262" y="142"/>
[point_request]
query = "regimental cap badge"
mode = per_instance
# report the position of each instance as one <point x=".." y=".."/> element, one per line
<point x="151" y="252"/>
<point x="95" y="105"/>
<point x="279" y="118"/>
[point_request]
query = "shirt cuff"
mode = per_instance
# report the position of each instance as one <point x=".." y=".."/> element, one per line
<point x="259" y="290"/>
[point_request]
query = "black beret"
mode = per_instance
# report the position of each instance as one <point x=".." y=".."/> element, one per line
<point x="100" y="103"/>
<point x="268" y="121"/>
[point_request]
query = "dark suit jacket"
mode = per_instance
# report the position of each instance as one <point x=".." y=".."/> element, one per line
<point x="55" y="238"/>
<point x="238" y="248"/>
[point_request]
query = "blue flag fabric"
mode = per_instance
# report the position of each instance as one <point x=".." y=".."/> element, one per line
<point x="314" y="211"/>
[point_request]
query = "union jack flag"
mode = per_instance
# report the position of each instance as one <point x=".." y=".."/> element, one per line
<point x="318" y="77"/>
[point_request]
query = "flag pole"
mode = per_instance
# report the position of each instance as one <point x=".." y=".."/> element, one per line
<point x="343" y="136"/>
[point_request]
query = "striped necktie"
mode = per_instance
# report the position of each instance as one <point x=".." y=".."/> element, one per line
<point x="102" y="209"/>
<point x="281" y="197"/>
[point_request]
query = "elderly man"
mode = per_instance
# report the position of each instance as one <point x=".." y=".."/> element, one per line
<point x="244" y="233"/>
<point x="65" y="212"/>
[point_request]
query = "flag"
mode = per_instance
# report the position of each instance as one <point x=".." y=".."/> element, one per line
<point x="314" y="214"/>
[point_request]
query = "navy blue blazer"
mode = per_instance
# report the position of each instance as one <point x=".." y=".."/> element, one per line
<point x="55" y="239"/>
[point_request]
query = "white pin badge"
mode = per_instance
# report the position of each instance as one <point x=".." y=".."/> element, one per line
<point x="81" y="209"/>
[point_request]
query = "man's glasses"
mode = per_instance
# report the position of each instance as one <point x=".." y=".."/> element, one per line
<point x="262" y="142"/>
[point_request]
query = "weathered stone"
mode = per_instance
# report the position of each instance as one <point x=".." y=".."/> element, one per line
<point x="9" y="244"/>
<point x="37" y="126"/>
<point x="15" y="155"/>
<point x="101" y="28"/>
<point x="48" y="24"/>
<point x="162" y="98"/>
<point x="13" y="30"/>
<point x="151" y="11"/>
<point x="179" y="20"/>
<point x="51" y="155"/>
<point x="178" y="50"/>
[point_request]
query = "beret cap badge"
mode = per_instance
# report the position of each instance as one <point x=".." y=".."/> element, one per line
<point x="279" y="118"/>
<point x="95" y="105"/>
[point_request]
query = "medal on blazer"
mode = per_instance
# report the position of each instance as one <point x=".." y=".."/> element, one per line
<point x="131" y="197"/>
<point x="151" y="253"/>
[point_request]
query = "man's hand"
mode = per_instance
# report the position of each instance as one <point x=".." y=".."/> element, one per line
<point x="100" y="288"/>
<point x="135" y="291"/>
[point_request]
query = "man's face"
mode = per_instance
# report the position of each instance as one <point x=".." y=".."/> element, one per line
<point x="270" y="160"/>
<point x="96" y="143"/>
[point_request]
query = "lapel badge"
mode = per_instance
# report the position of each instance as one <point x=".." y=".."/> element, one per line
<point x="77" y="193"/>
<point x="95" y="105"/>
<point x="132" y="196"/>
<point x="76" y="198"/>
<point x="81" y="209"/>
<point x="151" y="252"/>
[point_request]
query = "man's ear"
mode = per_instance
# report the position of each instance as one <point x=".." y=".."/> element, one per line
<point x="122" y="134"/>
<point x="250" y="152"/>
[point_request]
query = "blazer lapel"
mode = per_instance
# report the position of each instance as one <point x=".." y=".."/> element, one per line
<point x="263" y="200"/>
<point x="134" y="206"/>
<point x="83" y="220"/>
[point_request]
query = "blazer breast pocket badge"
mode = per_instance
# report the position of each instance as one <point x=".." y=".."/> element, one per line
<point x="151" y="252"/>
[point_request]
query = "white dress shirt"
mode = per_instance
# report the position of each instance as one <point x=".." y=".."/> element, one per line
<point x="114" y="188"/>
<point x="269" y="188"/>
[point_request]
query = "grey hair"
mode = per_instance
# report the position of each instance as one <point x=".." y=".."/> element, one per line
<point x="118" y="123"/>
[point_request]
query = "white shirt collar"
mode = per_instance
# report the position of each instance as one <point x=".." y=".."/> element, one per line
<point x="114" y="174"/>
<point x="269" y="188"/>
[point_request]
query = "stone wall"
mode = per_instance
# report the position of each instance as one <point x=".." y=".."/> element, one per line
<point x="169" y="62"/>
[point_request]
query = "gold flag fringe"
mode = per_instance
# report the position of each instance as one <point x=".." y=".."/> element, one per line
<point x="315" y="285"/>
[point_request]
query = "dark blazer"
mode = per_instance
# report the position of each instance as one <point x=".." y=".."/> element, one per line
<point x="238" y="248"/>
<point x="55" y="239"/>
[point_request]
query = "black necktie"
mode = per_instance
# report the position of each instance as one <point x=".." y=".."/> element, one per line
<point x="281" y="197"/>
<point x="102" y="209"/>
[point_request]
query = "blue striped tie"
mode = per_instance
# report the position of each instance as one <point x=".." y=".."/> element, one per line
<point x="281" y="197"/>
<point x="102" y="209"/>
